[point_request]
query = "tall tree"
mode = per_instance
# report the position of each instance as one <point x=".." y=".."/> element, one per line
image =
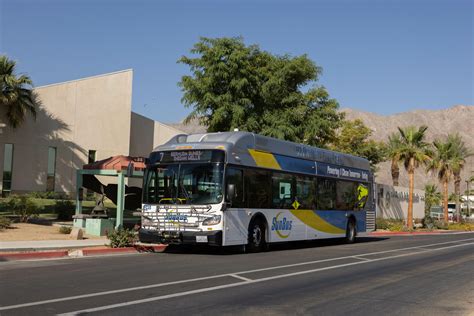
<point x="432" y="197"/>
<point x="233" y="85"/>
<point x="413" y="151"/>
<point x="16" y="94"/>
<point x="444" y="163"/>
<point x="393" y="153"/>
<point x="460" y="153"/>
<point x="353" y="138"/>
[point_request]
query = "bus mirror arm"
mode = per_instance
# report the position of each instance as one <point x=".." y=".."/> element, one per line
<point x="230" y="192"/>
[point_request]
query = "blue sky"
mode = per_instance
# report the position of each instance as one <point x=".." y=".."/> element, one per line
<point x="378" y="56"/>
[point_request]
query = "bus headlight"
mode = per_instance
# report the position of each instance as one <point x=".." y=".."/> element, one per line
<point x="147" y="221"/>
<point x="214" y="220"/>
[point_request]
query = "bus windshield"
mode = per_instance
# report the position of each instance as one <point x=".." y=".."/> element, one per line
<point x="187" y="183"/>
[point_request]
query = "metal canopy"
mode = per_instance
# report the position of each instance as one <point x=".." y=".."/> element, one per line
<point x="120" y="174"/>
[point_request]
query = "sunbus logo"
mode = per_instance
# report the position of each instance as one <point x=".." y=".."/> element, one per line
<point x="282" y="227"/>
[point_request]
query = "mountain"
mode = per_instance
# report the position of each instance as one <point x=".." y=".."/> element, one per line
<point x="459" y="118"/>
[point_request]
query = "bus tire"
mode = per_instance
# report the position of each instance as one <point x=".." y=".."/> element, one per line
<point x="256" y="236"/>
<point x="351" y="232"/>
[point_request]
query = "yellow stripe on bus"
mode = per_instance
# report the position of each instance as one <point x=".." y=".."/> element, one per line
<point x="314" y="221"/>
<point x="263" y="159"/>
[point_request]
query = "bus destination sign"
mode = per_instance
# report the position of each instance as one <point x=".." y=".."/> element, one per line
<point x="178" y="156"/>
<point x="193" y="155"/>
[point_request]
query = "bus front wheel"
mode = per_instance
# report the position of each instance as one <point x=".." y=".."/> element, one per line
<point x="351" y="232"/>
<point x="256" y="237"/>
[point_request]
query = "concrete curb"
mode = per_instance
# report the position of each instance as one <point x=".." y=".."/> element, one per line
<point x="75" y="253"/>
<point x="437" y="232"/>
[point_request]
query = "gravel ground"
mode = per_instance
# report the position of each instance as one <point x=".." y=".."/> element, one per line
<point x="26" y="231"/>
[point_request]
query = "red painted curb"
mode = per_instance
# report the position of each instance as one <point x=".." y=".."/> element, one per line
<point x="33" y="255"/>
<point x="416" y="233"/>
<point x="106" y="251"/>
<point x="136" y="249"/>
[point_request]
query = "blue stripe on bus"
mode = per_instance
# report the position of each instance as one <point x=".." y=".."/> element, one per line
<point x="296" y="165"/>
<point x="339" y="218"/>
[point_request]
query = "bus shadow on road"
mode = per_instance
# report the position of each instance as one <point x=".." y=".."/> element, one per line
<point x="286" y="246"/>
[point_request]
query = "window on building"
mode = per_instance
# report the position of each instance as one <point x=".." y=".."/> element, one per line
<point x="7" y="169"/>
<point x="90" y="159"/>
<point x="50" y="178"/>
<point x="91" y="156"/>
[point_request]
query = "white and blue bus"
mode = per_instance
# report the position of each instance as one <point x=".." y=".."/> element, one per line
<point x="240" y="188"/>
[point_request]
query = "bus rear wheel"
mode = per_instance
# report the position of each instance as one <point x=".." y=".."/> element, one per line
<point x="256" y="236"/>
<point x="351" y="232"/>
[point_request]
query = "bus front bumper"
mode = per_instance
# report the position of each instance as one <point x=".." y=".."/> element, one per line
<point x="212" y="238"/>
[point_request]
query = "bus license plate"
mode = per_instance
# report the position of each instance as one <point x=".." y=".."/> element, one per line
<point x="201" y="238"/>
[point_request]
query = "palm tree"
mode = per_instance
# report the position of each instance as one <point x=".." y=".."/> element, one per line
<point x="444" y="162"/>
<point x="393" y="152"/>
<point x="16" y="94"/>
<point x="460" y="153"/>
<point x="432" y="197"/>
<point x="413" y="151"/>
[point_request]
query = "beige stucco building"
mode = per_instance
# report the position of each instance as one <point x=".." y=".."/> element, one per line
<point x="392" y="202"/>
<point x="81" y="120"/>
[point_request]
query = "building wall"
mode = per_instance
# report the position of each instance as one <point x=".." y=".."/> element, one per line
<point x="392" y="202"/>
<point x="141" y="135"/>
<point x="77" y="116"/>
<point x="145" y="135"/>
<point x="163" y="133"/>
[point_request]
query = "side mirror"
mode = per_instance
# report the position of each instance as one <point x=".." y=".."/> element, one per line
<point x="230" y="192"/>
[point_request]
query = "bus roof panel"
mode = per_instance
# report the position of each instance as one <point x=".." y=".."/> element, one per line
<point x="237" y="144"/>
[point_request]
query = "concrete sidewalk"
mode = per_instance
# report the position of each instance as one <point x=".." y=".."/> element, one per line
<point x="54" y="249"/>
<point x="40" y="245"/>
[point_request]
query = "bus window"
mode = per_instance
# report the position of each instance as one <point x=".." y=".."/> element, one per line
<point x="257" y="188"/>
<point x="346" y="195"/>
<point x="305" y="194"/>
<point x="362" y="195"/>
<point x="282" y="196"/>
<point x="326" y="194"/>
<point x="235" y="177"/>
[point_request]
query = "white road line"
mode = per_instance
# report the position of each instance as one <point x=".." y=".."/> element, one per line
<point x="144" y="287"/>
<point x="363" y="259"/>
<point x="213" y="288"/>
<point x="240" y="277"/>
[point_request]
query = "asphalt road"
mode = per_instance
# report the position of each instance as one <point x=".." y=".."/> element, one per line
<point x="423" y="275"/>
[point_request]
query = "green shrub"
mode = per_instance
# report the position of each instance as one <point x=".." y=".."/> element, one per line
<point x="428" y="222"/>
<point x="122" y="238"/>
<point x="461" y="226"/>
<point x="23" y="206"/>
<point x="390" y="224"/>
<point x="397" y="226"/>
<point x="50" y="195"/>
<point x="441" y="224"/>
<point x="65" y="230"/>
<point x="381" y="223"/>
<point x="5" y="222"/>
<point x="64" y="209"/>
